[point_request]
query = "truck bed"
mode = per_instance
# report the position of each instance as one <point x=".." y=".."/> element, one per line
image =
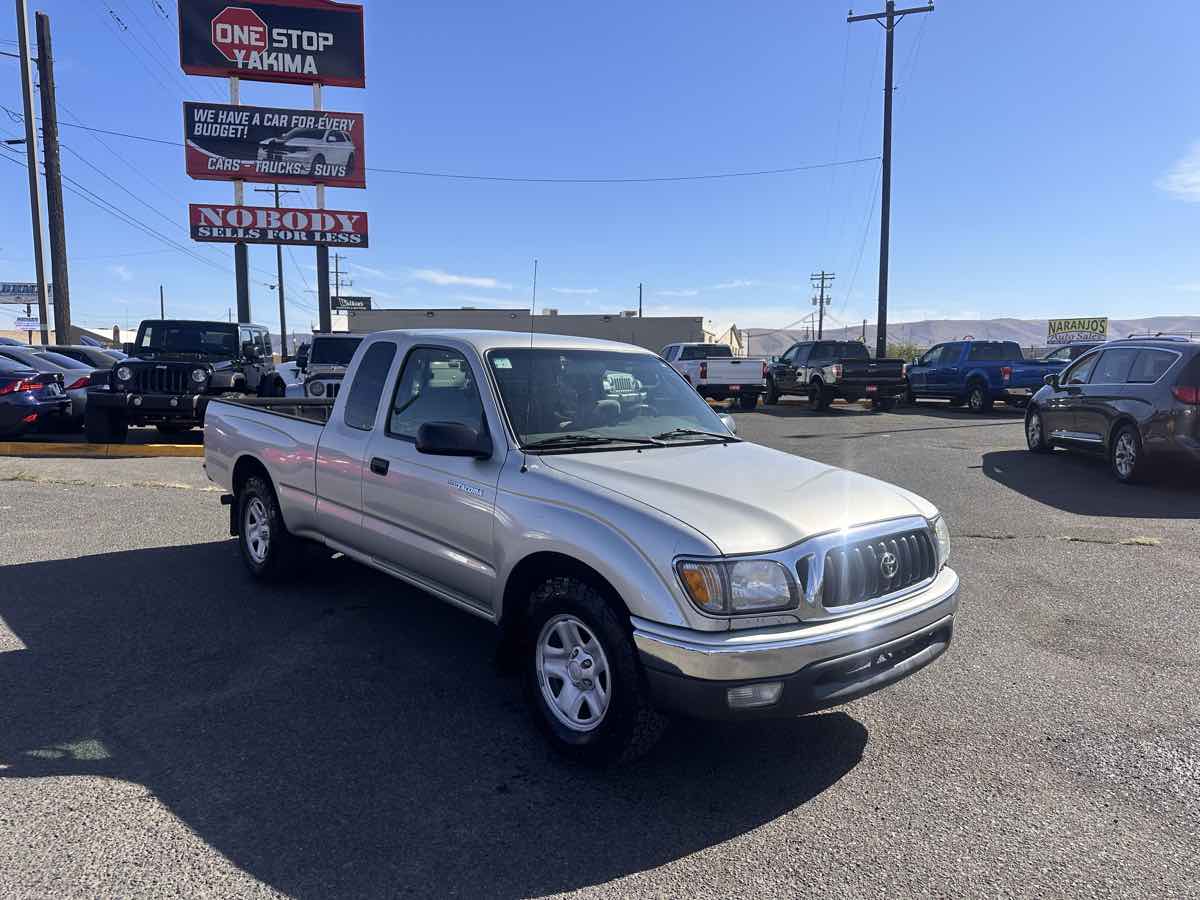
<point x="305" y="408"/>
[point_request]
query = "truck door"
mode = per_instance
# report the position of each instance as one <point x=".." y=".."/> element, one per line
<point x="918" y="374"/>
<point x="430" y="518"/>
<point x="945" y="379"/>
<point x="342" y="453"/>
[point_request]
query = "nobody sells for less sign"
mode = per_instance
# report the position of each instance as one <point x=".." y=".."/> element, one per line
<point x="217" y="223"/>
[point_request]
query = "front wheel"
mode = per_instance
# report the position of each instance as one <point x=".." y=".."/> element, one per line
<point x="584" y="684"/>
<point x="978" y="399"/>
<point x="1126" y="456"/>
<point x="748" y="402"/>
<point x="1035" y="433"/>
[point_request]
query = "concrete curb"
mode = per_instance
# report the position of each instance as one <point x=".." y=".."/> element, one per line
<point x="45" y="449"/>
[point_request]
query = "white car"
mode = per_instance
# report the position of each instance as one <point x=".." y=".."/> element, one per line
<point x="312" y="148"/>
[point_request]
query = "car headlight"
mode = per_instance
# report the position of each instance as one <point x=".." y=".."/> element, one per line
<point x="317" y="388"/>
<point x="124" y="373"/>
<point x="745" y="586"/>
<point x="199" y="376"/>
<point x="941" y="538"/>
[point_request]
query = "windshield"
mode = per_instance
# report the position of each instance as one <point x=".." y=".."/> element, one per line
<point x="210" y="338"/>
<point x="63" y="362"/>
<point x="332" y="351"/>
<point x="706" y="351"/>
<point x="596" y="396"/>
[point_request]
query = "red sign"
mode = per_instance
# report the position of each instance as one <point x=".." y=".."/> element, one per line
<point x="268" y="225"/>
<point x="237" y="32"/>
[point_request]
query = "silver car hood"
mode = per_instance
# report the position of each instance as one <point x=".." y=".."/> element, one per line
<point x="744" y="497"/>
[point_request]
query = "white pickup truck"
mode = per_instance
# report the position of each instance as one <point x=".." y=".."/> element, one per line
<point x="636" y="556"/>
<point x="717" y="374"/>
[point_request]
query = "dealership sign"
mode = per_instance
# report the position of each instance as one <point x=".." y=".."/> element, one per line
<point x="297" y="41"/>
<point x="351" y="304"/>
<point x="20" y="293"/>
<point x="24" y="323"/>
<point x="267" y="144"/>
<point x="1069" y="331"/>
<point x="267" y="225"/>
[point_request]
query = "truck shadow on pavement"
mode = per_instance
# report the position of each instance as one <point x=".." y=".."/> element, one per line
<point x="1082" y="484"/>
<point x="349" y="736"/>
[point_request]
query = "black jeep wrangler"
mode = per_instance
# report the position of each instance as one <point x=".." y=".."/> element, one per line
<point x="173" y="368"/>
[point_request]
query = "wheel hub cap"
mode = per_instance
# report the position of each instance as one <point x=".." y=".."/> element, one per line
<point x="573" y="673"/>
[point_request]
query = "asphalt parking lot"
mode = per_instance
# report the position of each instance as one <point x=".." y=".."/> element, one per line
<point x="169" y="728"/>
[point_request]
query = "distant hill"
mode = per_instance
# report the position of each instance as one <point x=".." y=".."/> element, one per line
<point x="1026" y="332"/>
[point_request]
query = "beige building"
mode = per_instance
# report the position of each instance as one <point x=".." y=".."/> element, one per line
<point x="651" y="332"/>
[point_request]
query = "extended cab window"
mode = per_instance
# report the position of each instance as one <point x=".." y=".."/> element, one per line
<point x="435" y="385"/>
<point x="369" y="380"/>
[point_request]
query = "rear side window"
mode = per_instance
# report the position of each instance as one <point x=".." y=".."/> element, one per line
<point x="1114" y="366"/>
<point x="994" y="351"/>
<point x="853" y="350"/>
<point x="363" y="402"/>
<point x="1150" y="366"/>
<point x="823" y="350"/>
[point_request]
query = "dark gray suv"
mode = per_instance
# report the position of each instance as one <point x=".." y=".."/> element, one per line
<point x="1135" y="400"/>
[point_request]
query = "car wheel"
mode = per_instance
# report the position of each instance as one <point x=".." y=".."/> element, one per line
<point x="748" y="402"/>
<point x="978" y="400"/>
<point x="818" y="398"/>
<point x="105" y="426"/>
<point x="883" y="404"/>
<point x="1126" y="456"/>
<point x="771" y="397"/>
<point x="584" y="684"/>
<point x="1035" y="432"/>
<point x="268" y="548"/>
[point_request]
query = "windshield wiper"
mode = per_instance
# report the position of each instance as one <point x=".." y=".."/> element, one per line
<point x="693" y="432"/>
<point x="585" y="440"/>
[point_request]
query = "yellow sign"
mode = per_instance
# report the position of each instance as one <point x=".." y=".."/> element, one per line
<point x="1069" y="331"/>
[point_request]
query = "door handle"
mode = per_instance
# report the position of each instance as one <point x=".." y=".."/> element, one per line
<point x="379" y="466"/>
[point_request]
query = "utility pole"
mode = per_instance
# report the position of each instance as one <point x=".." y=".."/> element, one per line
<point x="162" y="303"/>
<point x="31" y="157"/>
<point x="888" y="19"/>
<point x="54" y="192"/>
<point x="283" y="350"/>
<point x="639" y="299"/>
<point x="820" y="281"/>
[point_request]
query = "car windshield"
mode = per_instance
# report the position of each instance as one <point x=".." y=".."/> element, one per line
<point x="114" y="354"/>
<point x="593" y="397"/>
<point x="63" y="362"/>
<point x="333" y="351"/>
<point x="707" y="351"/>
<point x="208" y="338"/>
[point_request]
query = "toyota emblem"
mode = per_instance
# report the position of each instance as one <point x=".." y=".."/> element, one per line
<point x="889" y="565"/>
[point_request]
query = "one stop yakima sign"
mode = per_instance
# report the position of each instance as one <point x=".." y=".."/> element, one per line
<point x="237" y="32"/>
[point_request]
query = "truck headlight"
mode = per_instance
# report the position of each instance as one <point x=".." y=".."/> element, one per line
<point x="199" y="376"/>
<point x="745" y="586"/>
<point x="317" y="388"/>
<point x="941" y="540"/>
<point x="124" y="373"/>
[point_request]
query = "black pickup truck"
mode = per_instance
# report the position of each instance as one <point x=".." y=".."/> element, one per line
<point x="825" y="371"/>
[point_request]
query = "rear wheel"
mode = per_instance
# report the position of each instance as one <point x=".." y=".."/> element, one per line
<point x="1125" y="455"/>
<point x="268" y="548"/>
<point x="1035" y="432"/>
<point x="978" y="399"/>
<point x="771" y="397"/>
<point x="884" y="404"/>
<point x="818" y="397"/>
<point x="583" y="680"/>
<point x="105" y="426"/>
<point x="748" y="402"/>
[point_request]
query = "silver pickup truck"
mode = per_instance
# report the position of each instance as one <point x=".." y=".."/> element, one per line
<point x="636" y="556"/>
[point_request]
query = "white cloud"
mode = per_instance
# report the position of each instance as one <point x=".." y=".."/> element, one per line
<point x="444" y="279"/>
<point x="680" y="292"/>
<point x="732" y="285"/>
<point x="1183" y="178"/>
<point x="576" y="290"/>
<point x="373" y="272"/>
<point x="121" y="272"/>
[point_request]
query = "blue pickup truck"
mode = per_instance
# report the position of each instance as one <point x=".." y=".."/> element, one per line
<point x="978" y="373"/>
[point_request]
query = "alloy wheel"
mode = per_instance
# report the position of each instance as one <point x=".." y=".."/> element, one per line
<point x="573" y="673"/>
<point x="257" y="530"/>
<point x="1033" y="430"/>
<point x="1125" y="455"/>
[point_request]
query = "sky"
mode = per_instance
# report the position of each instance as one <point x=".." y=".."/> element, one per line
<point x="1046" y="161"/>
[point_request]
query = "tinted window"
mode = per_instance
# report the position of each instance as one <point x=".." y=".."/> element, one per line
<point x="435" y="385"/>
<point x="1114" y="366"/>
<point x="35" y="361"/>
<point x="1081" y="371"/>
<point x="333" y="351"/>
<point x="932" y="357"/>
<point x="707" y="351"/>
<point x="853" y="350"/>
<point x="671" y="353"/>
<point x="189" y="337"/>
<point x="994" y="351"/>
<point x="64" y="362"/>
<point x="951" y="353"/>
<point x="363" y="402"/>
<point x="264" y="343"/>
<point x="1150" y="366"/>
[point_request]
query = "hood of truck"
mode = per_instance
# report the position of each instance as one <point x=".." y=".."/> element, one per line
<point x="744" y="497"/>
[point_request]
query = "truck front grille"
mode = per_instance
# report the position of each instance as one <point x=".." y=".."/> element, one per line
<point x="620" y="383"/>
<point x="863" y="571"/>
<point x="160" y="379"/>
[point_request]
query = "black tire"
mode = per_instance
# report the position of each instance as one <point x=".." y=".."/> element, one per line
<point x="819" y="398"/>
<point x="979" y="401"/>
<point x="771" y="397"/>
<point x="1126" y="457"/>
<point x="271" y="555"/>
<point x="629" y="726"/>
<point x="884" y="404"/>
<point x="910" y="399"/>
<point x="1035" y="432"/>
<point x="748" y="402"/>
<point x="105" y="426"/>
<point x="169" y="429"/>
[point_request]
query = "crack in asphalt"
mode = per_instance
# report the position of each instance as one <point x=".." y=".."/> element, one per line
<point x="1070" y="538"/>
<point x="26" y="478"/>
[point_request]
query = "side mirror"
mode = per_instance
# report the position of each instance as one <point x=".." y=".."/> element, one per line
<point x="729" y="422"/>
<point x="453" y="439"/>
<point x="1050" y="380"/>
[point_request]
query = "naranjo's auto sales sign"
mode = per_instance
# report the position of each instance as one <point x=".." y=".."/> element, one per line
<point x="1069" y="331"/>
<point x="297" y="41"/>
<point x="288" y="146"/>
<point x="267" y="225"/>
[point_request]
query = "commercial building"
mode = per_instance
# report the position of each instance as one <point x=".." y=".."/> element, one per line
<point x="651" y="332"/>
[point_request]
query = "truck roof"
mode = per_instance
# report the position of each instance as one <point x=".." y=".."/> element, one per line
<point x="483" y="340"/>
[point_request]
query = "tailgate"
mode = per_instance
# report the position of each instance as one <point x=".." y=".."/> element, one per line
<point x="873" y="370"/>
<point x="734" y="371"/>
<point x="1030" y="375"/>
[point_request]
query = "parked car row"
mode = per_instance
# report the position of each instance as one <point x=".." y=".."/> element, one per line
<point x="78" y="368"/>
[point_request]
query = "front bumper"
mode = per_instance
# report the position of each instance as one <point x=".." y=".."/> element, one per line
<point x="152" y="407"/>
<point x="820" y="665"/>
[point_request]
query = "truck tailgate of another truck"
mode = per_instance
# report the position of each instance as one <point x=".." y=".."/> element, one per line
<point x="734" y="371"/>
